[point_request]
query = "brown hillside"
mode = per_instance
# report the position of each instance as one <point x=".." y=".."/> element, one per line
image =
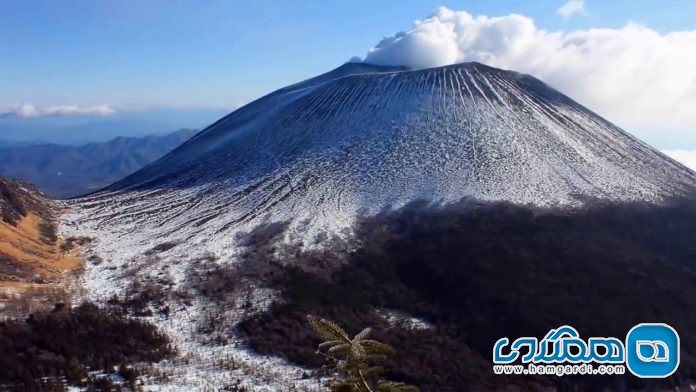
<point x="34" y="262"/>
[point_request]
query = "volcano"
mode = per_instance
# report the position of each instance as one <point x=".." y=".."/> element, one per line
<point x="362" y="138"/>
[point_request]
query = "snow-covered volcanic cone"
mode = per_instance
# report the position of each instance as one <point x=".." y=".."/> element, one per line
<point x="363" y="137"/>
<point x="354" y="141"/>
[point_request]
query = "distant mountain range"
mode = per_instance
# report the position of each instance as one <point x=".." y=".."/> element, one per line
<point x="13" y="143"/>
<point x="66" y="171"/>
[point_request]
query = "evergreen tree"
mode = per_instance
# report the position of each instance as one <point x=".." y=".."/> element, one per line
<point x="355" y="359"/>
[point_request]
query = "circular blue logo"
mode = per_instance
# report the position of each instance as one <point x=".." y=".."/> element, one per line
<point x="652" y="350"/>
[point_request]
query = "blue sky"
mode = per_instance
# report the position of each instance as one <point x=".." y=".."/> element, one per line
<point x="208" y="57"/>
<point x="222" y="53"/>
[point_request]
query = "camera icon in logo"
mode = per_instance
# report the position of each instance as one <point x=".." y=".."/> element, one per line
<point x="652" y="350"/>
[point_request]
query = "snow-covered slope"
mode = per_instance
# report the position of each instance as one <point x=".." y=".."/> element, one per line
<point x="354" y="141"/>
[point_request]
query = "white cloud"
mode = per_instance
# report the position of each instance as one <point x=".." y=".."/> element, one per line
<point x="572" y="7"/>
<point x="686" y="157"/>
<point x="29" y="111"/>
<point x="634" y="76"/>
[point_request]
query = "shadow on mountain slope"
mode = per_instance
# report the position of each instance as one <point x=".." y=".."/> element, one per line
<point x="479" y="272"/>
